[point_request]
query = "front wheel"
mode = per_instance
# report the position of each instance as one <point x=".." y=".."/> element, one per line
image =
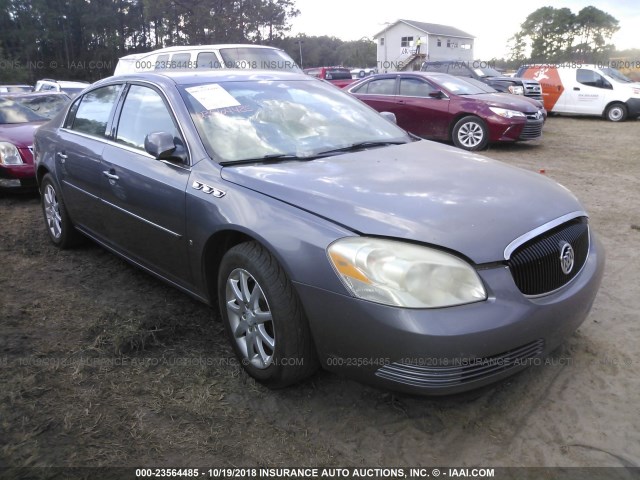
<point x="59" y="226"/>
<point x="616" y="112"/>
<point x="470" y="133"/>
<point x="263" y="317"/>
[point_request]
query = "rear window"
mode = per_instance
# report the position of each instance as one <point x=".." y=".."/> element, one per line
<point x="11" y="113"/>
<point x="435" y="67"/>
<point x="337" y="74"/>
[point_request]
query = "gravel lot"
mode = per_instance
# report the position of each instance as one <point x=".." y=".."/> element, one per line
<point x="100" y="364"/>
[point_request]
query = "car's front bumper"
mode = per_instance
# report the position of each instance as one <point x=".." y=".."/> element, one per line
<point x="441" y="351"/>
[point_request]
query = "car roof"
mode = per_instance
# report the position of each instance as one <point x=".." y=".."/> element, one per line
<point x="189" y="48"/>
<point x="190" y="77"/>
<point x="34" y="94"/>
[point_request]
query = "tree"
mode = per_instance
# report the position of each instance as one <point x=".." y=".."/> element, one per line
<point x="557" y="34"/>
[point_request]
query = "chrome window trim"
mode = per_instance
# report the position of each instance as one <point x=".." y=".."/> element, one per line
<point x="541" y="229"/>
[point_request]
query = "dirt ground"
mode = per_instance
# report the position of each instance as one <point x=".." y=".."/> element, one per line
<point x="102" y="365"/>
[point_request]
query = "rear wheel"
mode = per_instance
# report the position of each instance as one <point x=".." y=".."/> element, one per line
<point x="616" y="112"/>
<point x="263" y="317"/>
<point x="470" y="133"/>
<point x="59" y="226"/>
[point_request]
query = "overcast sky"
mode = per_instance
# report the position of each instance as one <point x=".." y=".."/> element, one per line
<point x="491" y="22"/>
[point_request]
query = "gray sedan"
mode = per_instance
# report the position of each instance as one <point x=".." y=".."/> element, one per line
<point x="326" y="235"/>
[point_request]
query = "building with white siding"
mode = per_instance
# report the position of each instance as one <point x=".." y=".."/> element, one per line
<point x="397" y="45"/>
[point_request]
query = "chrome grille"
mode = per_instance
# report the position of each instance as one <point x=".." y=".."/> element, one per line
<point x="532" y="90"/>
<point x="536" y="265"/>
<point x="453" y="372"/>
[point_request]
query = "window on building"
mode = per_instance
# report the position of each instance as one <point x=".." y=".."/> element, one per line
<point x="466" y="46"/>
<point x="448" y="43"/>
<point x="406" y="41"/>
<point x="381" y="41"/>
<point x="439" y="42"/>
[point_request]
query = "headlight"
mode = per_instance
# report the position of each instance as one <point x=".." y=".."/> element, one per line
<point x="9" y="154"/>
<point x="503" y="112"/>
<point x="516" y="89"/>
<point x="404" y="275"/>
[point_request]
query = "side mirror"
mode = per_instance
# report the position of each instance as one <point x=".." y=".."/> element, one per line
<point x="436" y="94"/>
<point x="390" y="116"/>
<point x="162" y="146"/>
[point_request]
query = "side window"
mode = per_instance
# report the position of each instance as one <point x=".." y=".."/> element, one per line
<point x="592" y="79"/>
<point x="143" y="112"/>
<point x="414" y="87"/>
<point x="94" y="110"/>
<point x="180" y="60"/>
<point x="384" y="86"/>
<point x="162" y="62"/>
<point x="208" y="60"/>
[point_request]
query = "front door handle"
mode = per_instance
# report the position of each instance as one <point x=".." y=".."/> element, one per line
<point x="576" y="89"/>
<point x="62" y="157"/>
<point x="110" y="176"/>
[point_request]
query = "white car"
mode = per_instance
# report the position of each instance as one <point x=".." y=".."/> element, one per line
<point x="69" y="87"/>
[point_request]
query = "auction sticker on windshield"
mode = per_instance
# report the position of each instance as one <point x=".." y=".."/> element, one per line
<point x="212" y="96"/>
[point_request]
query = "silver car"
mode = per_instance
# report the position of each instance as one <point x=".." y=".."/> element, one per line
<point x="327" y="236"/>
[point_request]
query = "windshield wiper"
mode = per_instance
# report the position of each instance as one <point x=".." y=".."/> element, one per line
<point x="272" y="157"/>
<point x="360" y="146"/>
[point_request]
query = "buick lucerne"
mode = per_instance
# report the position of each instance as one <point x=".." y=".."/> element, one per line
<point x="326" y="235"/>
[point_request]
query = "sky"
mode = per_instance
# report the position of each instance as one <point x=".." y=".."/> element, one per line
<point x="491" y="22"/>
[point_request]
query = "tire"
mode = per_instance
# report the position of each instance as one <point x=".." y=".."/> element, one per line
<point x="263" y="317"/>
<point x="470" y="133"/>
<point x="61" y="230"/>
<point x="616" y="112"/>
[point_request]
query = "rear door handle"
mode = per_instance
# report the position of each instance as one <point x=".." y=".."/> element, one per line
<point x="577" y="89"/>
<point x="62" y="157"/>
<point x="110" y="175"/>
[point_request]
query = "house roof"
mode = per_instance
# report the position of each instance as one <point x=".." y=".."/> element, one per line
<point x="430" y="28"/>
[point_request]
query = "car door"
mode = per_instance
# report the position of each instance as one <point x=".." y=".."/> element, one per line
<point x="588" y="93"/>
<point x="81" y="141"/>
<point x="379" y="93"/>
<point x="145" y="197"/>
<point x="420" y="113"/>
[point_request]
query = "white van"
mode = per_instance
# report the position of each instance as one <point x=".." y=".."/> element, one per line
<point x="237" y="56"/>
<point x="586" y="90"/>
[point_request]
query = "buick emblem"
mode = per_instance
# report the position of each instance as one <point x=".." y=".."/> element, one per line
<point x="567" y="257"/>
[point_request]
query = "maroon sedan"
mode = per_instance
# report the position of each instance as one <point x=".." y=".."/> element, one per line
<point x="17" y="126"/>
<point x="443" y="107"/>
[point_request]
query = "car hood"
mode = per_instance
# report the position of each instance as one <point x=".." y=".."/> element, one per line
<point x="508" y="100"/>
<point x="20" y="134"/>
<point x="421" y="191"/>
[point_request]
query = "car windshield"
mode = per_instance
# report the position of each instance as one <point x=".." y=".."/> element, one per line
<point x="12" y="112"/>
<point x="487" y="72"/>
<point x="302" y="118"/>
<point x="460" y="86"/>
<point x="44" y="105"/>
<point x="481" y="85"/>
<point x="616" y="75"/>
<point x="257" y="58"/>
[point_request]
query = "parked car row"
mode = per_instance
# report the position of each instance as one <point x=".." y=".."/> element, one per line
<point x="326" y="235"/>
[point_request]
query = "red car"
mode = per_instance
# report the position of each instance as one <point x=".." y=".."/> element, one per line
<point x="443" y="107"/>
<point x="17" y="126"/>
<point x="339" y="76"/>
